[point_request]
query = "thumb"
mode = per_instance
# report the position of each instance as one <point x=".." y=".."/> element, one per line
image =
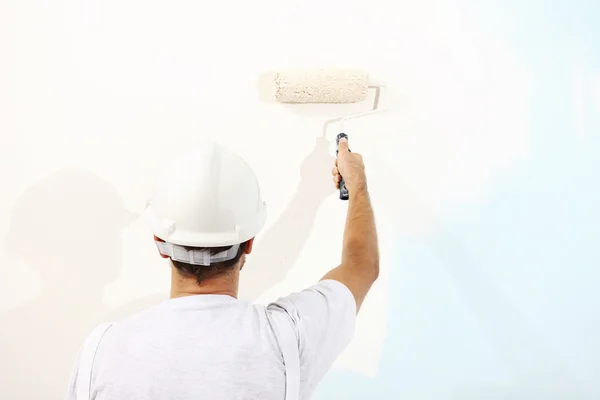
<point x="343" y="145"/>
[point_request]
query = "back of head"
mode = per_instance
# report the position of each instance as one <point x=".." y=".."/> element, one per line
<point x="204" y="208"/>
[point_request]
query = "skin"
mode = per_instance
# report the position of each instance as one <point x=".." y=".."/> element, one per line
<point x="360" y="252"/>
<point x="360" y="255"/>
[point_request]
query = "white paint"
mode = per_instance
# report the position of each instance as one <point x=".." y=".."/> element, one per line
<point x="114" y="88"/>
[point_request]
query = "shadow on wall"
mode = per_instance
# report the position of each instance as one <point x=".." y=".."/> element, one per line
<point x="280" y="246"/>
<point x="68" y="228"/>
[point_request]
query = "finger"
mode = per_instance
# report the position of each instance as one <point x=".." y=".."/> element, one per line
<point x="337" y="178"/>
<point x="334" y="171"/>
<point x="343" y="145"/>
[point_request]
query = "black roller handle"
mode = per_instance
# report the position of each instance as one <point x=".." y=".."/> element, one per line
<point x="343" y="190"/>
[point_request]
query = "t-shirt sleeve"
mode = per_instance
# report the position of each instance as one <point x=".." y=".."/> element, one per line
<point x="324" y="316"/>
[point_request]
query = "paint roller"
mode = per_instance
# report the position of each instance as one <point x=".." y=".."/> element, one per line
<point x="333" y="86"/>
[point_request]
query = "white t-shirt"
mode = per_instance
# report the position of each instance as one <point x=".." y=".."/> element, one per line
<point x="220" y="348"/>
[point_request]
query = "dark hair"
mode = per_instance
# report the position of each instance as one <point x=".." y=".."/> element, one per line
<point x="203" y="272"/>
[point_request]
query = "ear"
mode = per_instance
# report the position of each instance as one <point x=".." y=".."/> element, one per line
<point x="249" y="246"/>
<point x="157" y="239"/>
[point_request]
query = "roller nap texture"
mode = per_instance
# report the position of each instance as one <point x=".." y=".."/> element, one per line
<point x="321" y="86"/>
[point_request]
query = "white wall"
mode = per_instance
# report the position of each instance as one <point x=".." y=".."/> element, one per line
<point x="95" y="95"/>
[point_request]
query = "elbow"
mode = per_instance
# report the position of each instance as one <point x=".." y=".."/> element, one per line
<point x="376" y="270"/>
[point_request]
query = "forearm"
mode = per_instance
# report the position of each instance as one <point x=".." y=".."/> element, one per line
<point x="360" y="250"/>
<point x="360" y="253"/>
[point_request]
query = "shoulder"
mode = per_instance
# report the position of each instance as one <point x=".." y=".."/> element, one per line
<point x="328" y="304"/>
<point x="325" y="293"/>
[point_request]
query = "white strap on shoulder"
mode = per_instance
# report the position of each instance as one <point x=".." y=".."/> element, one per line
<point x="288" y="341"/>
<point x="88" y="353"/>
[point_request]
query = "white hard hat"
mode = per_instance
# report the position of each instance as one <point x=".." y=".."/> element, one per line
<point x="207" y="197"/>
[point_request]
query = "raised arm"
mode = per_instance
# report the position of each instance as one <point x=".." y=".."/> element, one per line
<point x="360" y="253"/>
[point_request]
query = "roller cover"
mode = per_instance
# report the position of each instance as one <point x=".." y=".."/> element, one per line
<point x="321" y="86"/>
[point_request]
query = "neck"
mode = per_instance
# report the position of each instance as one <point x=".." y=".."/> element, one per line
<point x="185" y="286"/>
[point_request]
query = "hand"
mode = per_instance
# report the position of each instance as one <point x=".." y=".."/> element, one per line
<point x="312" y="170"/>
<point x="351" y="167"/>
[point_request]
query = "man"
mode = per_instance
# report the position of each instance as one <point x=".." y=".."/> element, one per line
<point x="204" y="343"/>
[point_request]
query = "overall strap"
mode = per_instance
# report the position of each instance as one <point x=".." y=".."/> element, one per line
<point x="88" y="353"/>
<point x="288" y="341"/>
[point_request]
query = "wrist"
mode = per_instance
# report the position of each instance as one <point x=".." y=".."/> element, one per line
<point x="358" y="190"/>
